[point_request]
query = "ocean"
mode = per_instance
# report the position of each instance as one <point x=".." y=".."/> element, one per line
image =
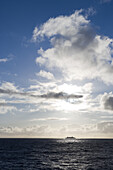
<point x="47" y="154"/>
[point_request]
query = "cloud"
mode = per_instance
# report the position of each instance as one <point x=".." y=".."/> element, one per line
<point x="11" y="92"/>
<point x="64" y="91"/>
<point x="9" y="86"/>
<point x="76" y="50"/>
<point x="49" y="119"/>
<point x="102" y="129"/>
<point x="45" y="74"/>
<point x="3" y="60"/>
<point x="98" y="130"/>
<point x="57" y="87"/>
<point x="107" y="101"/>
<point x="107" y="117"/>
<point x="50" y="95"/>
<point x="105" y="127"/>
<point x="6" y="59"/>
<point x="37" y="131"/>
<point x="60" y="95"/>
<point x="51" y="28"/>
<point x="10" y="89"/>
<point x="3" y="104"/>
<point x="5" y="108"/>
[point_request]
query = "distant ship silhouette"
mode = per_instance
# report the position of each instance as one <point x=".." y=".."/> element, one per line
<point x="70" y="138"/>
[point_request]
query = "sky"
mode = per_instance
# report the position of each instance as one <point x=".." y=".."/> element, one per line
<point x="56" y="68"/>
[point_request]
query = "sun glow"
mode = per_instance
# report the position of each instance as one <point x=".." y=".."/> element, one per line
<point x="70" y="89"/>
<point x="71" y="105"/>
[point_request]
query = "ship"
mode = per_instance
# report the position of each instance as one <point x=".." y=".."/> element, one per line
<point x="70" y="138"/>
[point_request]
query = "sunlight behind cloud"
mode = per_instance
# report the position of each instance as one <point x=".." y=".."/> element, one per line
<point x="71" y="105"/>
<point x="56" y="68"/>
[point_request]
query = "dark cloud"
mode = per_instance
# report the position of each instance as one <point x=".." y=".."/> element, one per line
<point x="60" y="95"/>
<point x="85" y="37"/>
<point x="108" y="103"/>
<point x="11" y="92"/>
<point x="50" y="95"/>
<point x="4" y="104"/>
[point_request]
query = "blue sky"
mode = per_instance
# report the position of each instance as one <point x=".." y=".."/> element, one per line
<point x="56" y="68"/>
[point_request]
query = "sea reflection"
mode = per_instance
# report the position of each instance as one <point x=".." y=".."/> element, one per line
<point x="70" y="141"/>
<point x="32" y="154"/>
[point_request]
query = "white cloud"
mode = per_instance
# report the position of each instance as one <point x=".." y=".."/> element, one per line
<point x="99" y="130"/>
<point x="37" y="131"/>
<point x="45" y="96"/>
<point x="9" y="86"/>
<point x="105" y="127"/>
<point x="76" y="50"/>
<point x="6" y="59"/>
<point x="75" y="104"/>
<point x="66" y="87"/>
<point x="45" y="74"/>
<point x="72" y="88"/>
<point x="3" y="60"/>
<point x="107" y="117"/>
<point x="60" y="25"/>
<point x="49" y="119"/>
<point x="7" y="109"/>
<point x="102" y="129"/>
<point x="40" y="60"/>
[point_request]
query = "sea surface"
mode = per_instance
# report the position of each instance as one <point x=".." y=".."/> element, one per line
<point x="34" y="154"/>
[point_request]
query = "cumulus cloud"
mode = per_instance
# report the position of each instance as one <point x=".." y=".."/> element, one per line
<point x="45" y="74"/>
<point x="9" y="86"/>
<point x="60" y="25"/>
<point x="107" y="101"/>
<point x="76" y="50"/>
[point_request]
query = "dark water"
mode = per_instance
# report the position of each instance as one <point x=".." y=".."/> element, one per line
<point x="34" y="154"/>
